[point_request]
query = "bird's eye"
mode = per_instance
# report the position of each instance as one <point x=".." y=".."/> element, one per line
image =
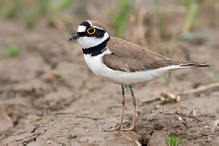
<point x="91" y="30"/>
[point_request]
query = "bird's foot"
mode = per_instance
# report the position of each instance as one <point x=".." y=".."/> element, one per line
<point x="117" y="128"/>
<point x="120" y="128"/>
<point x="132" y="128"/>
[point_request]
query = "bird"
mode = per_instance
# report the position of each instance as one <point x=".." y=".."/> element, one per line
<point x="123" y="62"/>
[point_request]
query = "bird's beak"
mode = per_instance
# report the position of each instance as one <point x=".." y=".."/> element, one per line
<point x="74" y="37"/>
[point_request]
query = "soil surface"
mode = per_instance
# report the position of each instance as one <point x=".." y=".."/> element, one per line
<point x="155" y="122"/>
<point x="49" y="96"/>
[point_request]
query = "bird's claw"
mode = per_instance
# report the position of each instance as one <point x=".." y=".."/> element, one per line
<point x="120" y="128"/>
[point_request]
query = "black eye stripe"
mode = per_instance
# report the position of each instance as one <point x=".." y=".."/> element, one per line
<point x="99" y="30"/>
<point x="98" y="33"/>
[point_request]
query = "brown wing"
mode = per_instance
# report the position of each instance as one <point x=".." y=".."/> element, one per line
<point x="131" y="57"/>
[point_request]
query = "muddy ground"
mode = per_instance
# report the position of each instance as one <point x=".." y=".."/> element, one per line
<point x="49" y="96"/>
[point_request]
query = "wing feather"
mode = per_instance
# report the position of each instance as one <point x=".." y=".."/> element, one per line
<point x="130" y="57"/>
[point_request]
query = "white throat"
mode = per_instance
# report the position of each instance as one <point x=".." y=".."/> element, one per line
<point x="88" y="42"/>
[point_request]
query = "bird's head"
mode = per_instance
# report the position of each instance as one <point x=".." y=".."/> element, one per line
<point x="90" y="34"/>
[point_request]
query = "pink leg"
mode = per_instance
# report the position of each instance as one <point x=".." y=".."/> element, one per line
<point x="133" y="127"/>
<point x="120" y="126"/>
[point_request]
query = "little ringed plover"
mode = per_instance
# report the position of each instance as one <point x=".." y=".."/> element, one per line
<point x="123" y="62"/>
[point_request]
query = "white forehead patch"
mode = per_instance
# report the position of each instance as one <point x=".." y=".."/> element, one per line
<point x="81" y="28"/>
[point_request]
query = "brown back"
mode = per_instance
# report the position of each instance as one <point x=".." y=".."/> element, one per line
<point x="130" y="57"/>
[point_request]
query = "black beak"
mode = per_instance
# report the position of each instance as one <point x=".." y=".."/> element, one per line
<point x="74" y="37"/>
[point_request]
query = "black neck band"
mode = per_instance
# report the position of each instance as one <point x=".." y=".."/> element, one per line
<point x="96" y="50"/>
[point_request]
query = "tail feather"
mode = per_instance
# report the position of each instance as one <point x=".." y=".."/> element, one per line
<point x="195" y="64"/>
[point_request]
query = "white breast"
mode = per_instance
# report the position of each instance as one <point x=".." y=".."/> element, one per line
<point x="95" y="63"/>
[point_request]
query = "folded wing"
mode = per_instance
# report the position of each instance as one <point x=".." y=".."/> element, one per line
<point x="130" y="57"/>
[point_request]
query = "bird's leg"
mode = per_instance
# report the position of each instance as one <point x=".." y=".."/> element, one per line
<point x="123" y="106"/>
<point x="134" y="115"/>
<point x="120" y="126"/>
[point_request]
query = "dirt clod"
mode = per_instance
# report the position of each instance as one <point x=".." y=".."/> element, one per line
<point x="166" y="122"/>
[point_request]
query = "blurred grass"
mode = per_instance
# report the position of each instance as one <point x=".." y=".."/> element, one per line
<point x="121" y="19"/>
<point x="31" y="11"/>
<point x="155" y="48"/>
<point x="192" y="9"/>
<point x="159" y="18"/>
<point x="10" y="51"/>
<point x="216" y="75"/>
<point x="196" y="36"/>
<point x="168" y="78"/>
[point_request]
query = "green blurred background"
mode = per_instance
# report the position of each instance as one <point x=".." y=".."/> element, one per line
<point x="120" y="13"/>
<point x="145" y="22"/>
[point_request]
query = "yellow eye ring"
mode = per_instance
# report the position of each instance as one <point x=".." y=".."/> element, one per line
<point x="91" y="30"/>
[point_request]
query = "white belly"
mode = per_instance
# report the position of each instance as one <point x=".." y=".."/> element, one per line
<point x="97" y="66"/>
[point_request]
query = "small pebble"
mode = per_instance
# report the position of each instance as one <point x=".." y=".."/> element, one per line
<point x="48" y="142"/>
<point x="180" y="118"/>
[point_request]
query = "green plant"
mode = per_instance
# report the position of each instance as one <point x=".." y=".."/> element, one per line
<point x="31" y="11"/>
<point x="216" y="75"/>
<point x="192" y="7"/>
<point x="155" y="48"/>
<point x="54" y="10"/>
<point x="7" y="8"/>
<point x="158" y="17"/>
<point x="168" y="78"/>
<point x="121" y="19"/>
<point x="161" y="21"/>
<point x="28" y="13"/>
<point x="172" y="141"/>
<point x="11" y="51"/>
<point x="196" y="36"/>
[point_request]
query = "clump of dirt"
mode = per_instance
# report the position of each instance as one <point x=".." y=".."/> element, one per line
<point x="65" y="129"/>
<point x="158" y="122"/>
